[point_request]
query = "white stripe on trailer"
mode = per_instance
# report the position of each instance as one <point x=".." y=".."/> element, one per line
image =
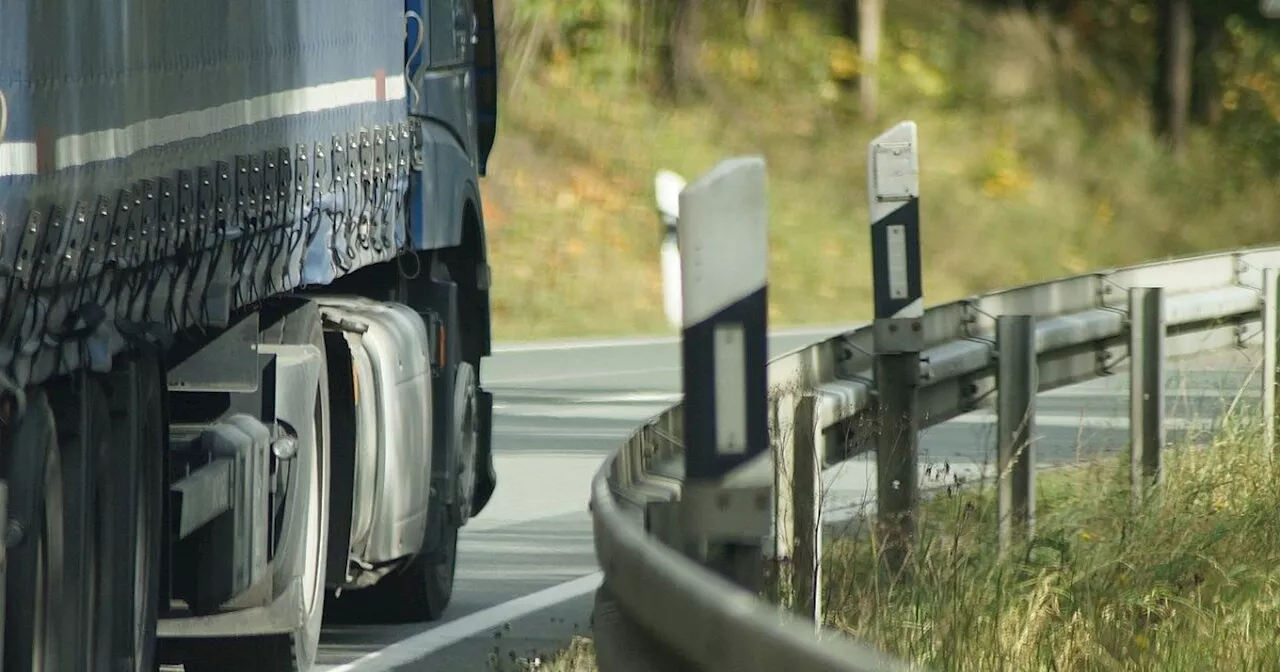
<point x="72" y="151"/>
<point x="17" y="158"/>
<point x="728" y="203"/>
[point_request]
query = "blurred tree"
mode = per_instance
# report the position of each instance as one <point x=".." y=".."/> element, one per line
<point x="847" y="19"/>
<point x="1210" y="38"/>
<point x="1171" y="93"/>
<point x="755" y="19"/>
<point x="870" y="17"/>
<point x="679" y="68"/>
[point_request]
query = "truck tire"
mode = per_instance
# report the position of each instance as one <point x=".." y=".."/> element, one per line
<point x="36" y="579"/>
<point x="288" y="322"/>
<point x="296" y="651"/>
<point x="135" y="487"/>
<point x="426" y="583"/>
<point x="466" y="408"/>
<point x="423" y="587"/>
<point x="92" y="519"/>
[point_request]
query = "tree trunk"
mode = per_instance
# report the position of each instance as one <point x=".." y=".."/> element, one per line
<point x="1206" y="88"/>
<point x="681" y="73"/>
<point x="870" y="13"/>
<point x="755" y="20"/>
<point x="1171" y="103"/>
<point x="847" y="19"/>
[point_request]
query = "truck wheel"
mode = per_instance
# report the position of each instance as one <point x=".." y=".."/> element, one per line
<point x="419" y="591"/>
<point x="301" y="552"/>
<point x="296" y="651"/>
<point x="92" y="520"/>
<point x="430" y="575"/>
<point x="423" y="587"/>
<point x="35" y="589"/>
<point x="466" y="390"/>
<point x="134" y="487"/>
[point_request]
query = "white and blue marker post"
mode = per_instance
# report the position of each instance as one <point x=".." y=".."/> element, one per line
<point x="893" y="186"/>
<point x="667" y="186"/>
<point x="724" y="246"/>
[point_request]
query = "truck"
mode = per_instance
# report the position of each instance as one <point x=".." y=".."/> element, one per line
<point x="244" y="304"/>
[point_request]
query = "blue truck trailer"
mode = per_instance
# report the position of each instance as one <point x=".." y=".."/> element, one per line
<point x="245" y="303"/>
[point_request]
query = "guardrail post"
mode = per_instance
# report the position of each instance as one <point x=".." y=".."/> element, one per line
<point x="1016" y="387"/>
<point x="898" y="332"/>
<point x="1270" y="355"/>
<point x="1146" y="389"/>
<point x="723" y="239"/>
<point x="806" y="574"/>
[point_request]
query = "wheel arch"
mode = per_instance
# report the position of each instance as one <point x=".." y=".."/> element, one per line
<point x="468" y="264"/>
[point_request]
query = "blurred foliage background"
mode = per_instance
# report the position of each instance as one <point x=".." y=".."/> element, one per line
<point x="1057" y="136"/>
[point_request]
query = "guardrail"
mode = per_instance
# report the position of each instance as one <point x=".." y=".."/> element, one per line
<point x="667" y="604"/>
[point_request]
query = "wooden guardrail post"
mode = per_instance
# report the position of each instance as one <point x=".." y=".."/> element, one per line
<point x="724" y="245"/>
<point x="1146" y="389"/>
<point x="897" y="333"/>
<point x="1016" y="385"/>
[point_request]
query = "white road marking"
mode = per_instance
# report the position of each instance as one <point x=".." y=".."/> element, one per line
<point x="543" y="433"/>
<point x="578" y="376"/>
<point x="552" y="346"/>
<point x="421" y="645"/>
<point x="1073" y="421"/>
<point x="1226" y="392"/>
<point x="666" y="398"/>
<point x="637" y="414"/>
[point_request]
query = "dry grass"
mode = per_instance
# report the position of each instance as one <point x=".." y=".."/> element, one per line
<point x="1188" y="582"/>
<point x="578" y="656"/>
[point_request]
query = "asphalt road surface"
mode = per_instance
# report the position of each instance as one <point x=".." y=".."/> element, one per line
<point x="527" y="570"/>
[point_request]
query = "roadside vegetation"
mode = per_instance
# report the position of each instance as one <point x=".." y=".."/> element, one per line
<point x="1045" y="147"/>
<point x="579" y="656"/>
<point x="1190" y="581"/>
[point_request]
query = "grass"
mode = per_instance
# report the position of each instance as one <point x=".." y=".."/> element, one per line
<point x="1188" y="582"/>
<point x="578" y="656"/>
<point x="1037" y="160"/>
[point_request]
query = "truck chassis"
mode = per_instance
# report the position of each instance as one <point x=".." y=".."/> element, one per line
<point x="240" y="363"/>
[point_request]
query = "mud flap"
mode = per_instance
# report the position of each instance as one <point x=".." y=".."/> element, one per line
<point x="486" y="476"/>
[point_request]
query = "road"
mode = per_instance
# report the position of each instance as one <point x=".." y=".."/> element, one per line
<point x="559" y="410"/>
<point x="527" y="570"/>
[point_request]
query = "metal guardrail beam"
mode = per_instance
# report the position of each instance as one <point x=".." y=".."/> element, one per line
<point x="1081" y="331"/>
